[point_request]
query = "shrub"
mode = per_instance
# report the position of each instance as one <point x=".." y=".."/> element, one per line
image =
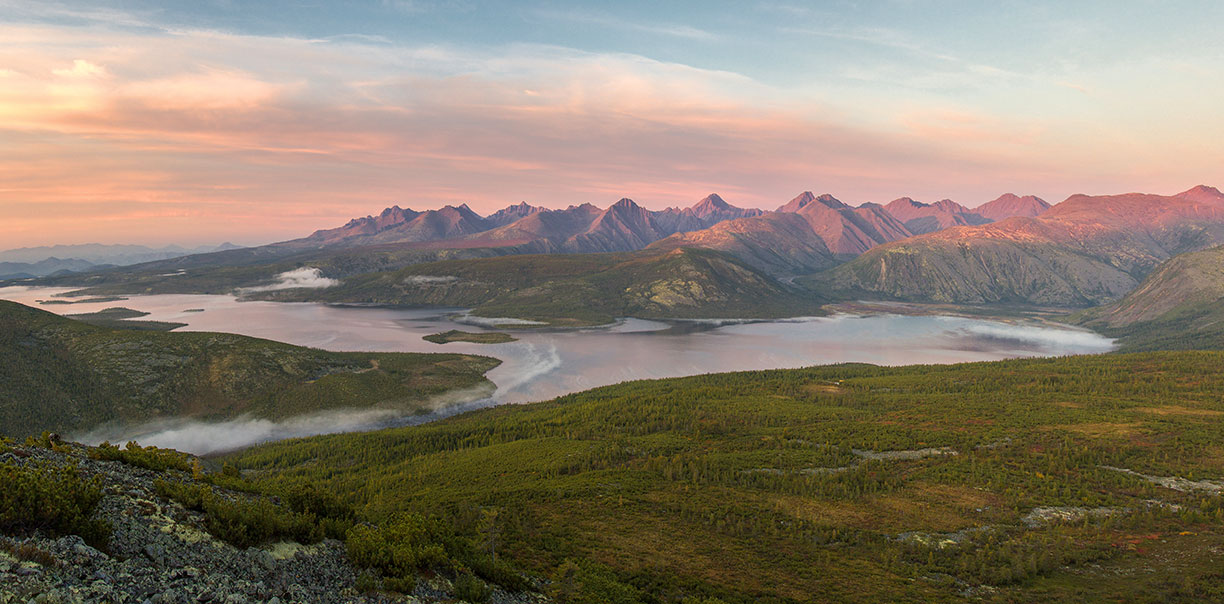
<point x="151" y="458"/>
<point x="367" y="583"/>
<point x="587" y="582"/>
<point x="498" y="571"/>
<point x="333" y="516"/>
<point x="55" y="500"/>
<point x="397" y="550"/>
<point x="469" y="587"/>
<point x="243" y="522"/>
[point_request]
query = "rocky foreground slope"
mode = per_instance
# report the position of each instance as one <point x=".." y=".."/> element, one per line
<point x="159" y="551"/>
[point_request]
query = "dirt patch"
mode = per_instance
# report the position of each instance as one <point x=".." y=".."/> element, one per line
<point x="824" y="388"/>
<point x="1178" y="410"/>
<point x="919" y="507"/>
<point x="1103" y="429"/>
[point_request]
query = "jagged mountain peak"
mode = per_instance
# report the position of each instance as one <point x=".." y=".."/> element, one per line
<point x="796" y="204"/>
<point x="625" y="203"/>
<point x="948" y="205"/>
<point x="1008" y="205"/>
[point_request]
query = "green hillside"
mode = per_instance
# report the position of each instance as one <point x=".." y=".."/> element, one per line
<point x="1180" y="306"/>
<point x="1075" y="479"/>
<point x="576" y="289"/>
<point x="64" y="375"/>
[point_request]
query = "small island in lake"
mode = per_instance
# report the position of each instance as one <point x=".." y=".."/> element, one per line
<point x="119" y="317"/>
<point x="83" y="300"/>
<point x="455" y="335"/>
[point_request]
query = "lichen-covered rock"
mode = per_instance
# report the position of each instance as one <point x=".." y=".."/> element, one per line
<point x="160" y="552"/>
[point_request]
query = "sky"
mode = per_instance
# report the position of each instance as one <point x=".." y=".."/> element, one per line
<point x="159" y="122"/>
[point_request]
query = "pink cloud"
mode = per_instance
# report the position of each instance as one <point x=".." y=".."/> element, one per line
<point x="201" y="136"/>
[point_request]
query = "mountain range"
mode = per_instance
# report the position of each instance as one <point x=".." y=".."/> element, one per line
<point x="815" y="231"/>
<point x="97" y="253"/>
<point x="921" y="218"/>
<point x="807" y="233"/>
<point x="42" y="261"/>
<point x="43" y="268"/>
<point x="1086" y="250"/>
<point x="624" y="226"/>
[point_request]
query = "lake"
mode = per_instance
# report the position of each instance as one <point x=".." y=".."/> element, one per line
<point x="546" y="363"/>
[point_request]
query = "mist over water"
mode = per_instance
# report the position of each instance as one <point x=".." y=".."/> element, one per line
<point x="546" y="363"/>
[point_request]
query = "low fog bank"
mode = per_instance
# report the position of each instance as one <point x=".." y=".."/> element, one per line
<point x="208" y="437"/>
<point x="469" y="319"/>
<point x="526" y="363"/>
<point x="306" y="277"/>
<point x="199" y="437"/>
<point x="1032" y="338"/>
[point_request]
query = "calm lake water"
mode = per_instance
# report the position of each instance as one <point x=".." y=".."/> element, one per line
<point x="547" y="363"/>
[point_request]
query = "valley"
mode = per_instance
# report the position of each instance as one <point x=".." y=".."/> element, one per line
<point x="852" y="401"/>
<point x="549" y="362"/>
<point x="611" y="303"/>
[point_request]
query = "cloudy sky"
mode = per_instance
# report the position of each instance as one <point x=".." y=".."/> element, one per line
<point x="196" y="122"/>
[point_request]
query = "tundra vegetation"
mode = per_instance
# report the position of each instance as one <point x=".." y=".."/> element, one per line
<point x="456" y="335"/>
<point x="1085" y="478"/>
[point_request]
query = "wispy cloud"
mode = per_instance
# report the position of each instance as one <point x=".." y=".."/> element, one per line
<point x="900" y="42"/>
<point x="605" y="20"/>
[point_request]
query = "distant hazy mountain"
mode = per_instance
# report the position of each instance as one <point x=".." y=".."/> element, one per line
<point x="70" y="257"/>
<point x="1009" y="205"/>
<point x="922" y="218"/>
<point x="1085" y="250"/>
<point x="42" y="268"/>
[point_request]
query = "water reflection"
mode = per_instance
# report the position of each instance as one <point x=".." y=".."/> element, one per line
<point x="545" y="363"/>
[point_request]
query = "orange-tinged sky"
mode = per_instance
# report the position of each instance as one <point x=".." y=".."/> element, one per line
<point x="152" y="127"/>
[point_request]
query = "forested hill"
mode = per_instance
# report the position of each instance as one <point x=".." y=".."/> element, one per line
<point x="64" y="375"/>
<point x="1078" y="479"/>
<point x="578" y="289"/>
